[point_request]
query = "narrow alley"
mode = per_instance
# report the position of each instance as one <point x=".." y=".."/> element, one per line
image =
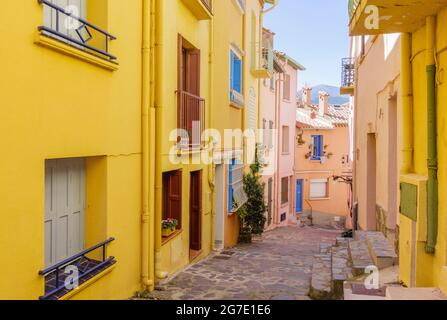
<point x="278" y="267"/>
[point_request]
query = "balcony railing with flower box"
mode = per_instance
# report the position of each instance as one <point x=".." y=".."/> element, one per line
<point x="75" y="31"/>
<point x="59" y="282"/>
<point x="263" y="62"/>
<point x="347" y="76"/>
<point x="191" y="120"/>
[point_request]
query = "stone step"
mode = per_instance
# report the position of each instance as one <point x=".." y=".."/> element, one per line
<point x="321" y="281"/>
<point x="325" y="248"/>
<point x="359" y="256"/>
<point x="360" y="235"/>
<point x="399" y="293"/>
<point x="341" y="269"/>
<point x="342" y="242"/>
<point x="381" y="250"/>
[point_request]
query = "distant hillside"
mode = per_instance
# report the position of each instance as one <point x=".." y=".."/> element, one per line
<point x="335" y="97"/>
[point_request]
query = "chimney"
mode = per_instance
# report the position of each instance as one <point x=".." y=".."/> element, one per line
<point x="324" y="103"/>
<point x="307" y="95"/>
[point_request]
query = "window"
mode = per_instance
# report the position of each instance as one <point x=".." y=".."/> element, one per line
<point x="285" y="139"/>
<point x="317" y="147"/>
<point x="236" y="194"/>
<point x="286" y="93"/>
<point x="271" y="124"/>
<point x="172" y="196"/>
<point x="285" y="190"/>
<point x="319" y="189"/>
<point x="62" y="23"/>
<point x="235" y="78"/>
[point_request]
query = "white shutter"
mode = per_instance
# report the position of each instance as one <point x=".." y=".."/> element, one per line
<point x="239" y="194"/>
<point x="66" y="25"/>
<point x="64" y="209"/>
<point x="319" y="189"/>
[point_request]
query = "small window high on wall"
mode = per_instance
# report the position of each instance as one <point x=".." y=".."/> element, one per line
<point x="317" y="147"/>
<point x="236" y="78"/>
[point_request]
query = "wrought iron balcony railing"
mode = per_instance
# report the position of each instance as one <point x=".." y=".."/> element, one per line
<point x="348" y="72"/>
<point x="55" y="276"/>
<point x="84" y="32"/>
<point x="191" y="120"/>
<point x="353" y="5"/>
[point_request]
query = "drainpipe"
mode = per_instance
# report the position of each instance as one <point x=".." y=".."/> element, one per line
<point x="147" y="275"/>
<point x="211" y="167"/>
<point x="158" y="105"/>
<point x="432" y="216"/>
<point x="407" y="106"/>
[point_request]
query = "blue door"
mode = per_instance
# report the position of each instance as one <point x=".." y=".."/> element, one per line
<point x="299" y="196"/>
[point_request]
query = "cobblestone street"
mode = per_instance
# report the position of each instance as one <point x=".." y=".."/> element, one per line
<point x="278" y="267"/>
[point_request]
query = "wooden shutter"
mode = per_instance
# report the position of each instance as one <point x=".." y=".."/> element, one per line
<point x="174" y="197"/>
<point x="231" y="71"/>
<point x="230" y="186"/>
<point x="238" y="75"/>
<point x="195" y="235"/>
<point x="193" y="72"/>
<point x="284" y="190"/>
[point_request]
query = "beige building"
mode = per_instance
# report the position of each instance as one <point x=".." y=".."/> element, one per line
<point x="377" y="121"/>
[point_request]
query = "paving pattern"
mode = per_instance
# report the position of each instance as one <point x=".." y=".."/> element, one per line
<point x="276" y="268"/>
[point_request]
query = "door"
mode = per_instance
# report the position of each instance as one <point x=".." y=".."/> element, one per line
<point x="64" y="224"/>
<point x="270" y="202"/>
<point x="195" y="228"/>
<point x="299" y="196"/>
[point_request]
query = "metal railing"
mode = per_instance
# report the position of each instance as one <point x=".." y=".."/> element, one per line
<point x="208" y="4"/>
<point x="348" y="72"/>
<point x="85" y="28"/>
<point x="353" y="5"/>
<point x="191" y="119"/>
<point x="75" y="261"/>
<point x="267" y="59"/>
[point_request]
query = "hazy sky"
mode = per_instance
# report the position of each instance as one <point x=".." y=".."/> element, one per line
<point x="315" y="33"/>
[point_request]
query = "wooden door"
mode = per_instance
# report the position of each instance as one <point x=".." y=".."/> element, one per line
<point x="195" y="224"/>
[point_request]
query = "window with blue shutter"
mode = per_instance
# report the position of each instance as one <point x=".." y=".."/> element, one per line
<point x="317" y="147"/>
<point x="235" y="73"/>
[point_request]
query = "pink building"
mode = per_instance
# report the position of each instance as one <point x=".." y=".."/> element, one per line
<point x="322" y="153"/>
<point x="278" y="109"/>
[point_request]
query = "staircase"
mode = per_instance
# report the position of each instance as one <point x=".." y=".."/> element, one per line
<point x="343" y="263"/>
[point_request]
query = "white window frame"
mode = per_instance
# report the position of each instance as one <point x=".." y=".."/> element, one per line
<point x="318" y="195"/>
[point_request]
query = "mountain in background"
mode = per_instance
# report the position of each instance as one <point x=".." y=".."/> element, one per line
<point x="335" y="97"/>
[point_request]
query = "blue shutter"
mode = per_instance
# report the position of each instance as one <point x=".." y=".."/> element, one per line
<point x="237" y="75"/>
<point x="320" y="146"/>
<point x="230" y="186"/>
<point x="231" y="71"/>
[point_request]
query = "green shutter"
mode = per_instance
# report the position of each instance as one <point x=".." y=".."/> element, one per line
<point x="408" y="200"/>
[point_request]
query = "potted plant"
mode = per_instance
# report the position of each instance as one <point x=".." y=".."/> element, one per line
<point x="169" y="226"/>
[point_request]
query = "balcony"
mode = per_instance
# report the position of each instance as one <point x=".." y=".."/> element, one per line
<point x="190" y="120"/>
<point x="393" y="15"/>
<point x="202" y="9"/>
<point x="347" y="76"/>
<point x="263" y="63"/>
<point x="81" y="34"/>
<point x="56" y="277"/>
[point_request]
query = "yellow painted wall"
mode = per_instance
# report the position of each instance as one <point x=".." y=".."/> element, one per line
<point x="431" y="270"/>
<point x="178" y="19"/>
<point x="56" y="106"/>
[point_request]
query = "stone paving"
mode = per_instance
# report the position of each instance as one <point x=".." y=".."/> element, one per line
<point x="276" y="268"/>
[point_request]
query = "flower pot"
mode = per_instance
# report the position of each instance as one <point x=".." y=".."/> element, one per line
<point x="167" y="232"/>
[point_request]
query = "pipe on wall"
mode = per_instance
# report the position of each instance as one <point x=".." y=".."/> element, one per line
<point x="407" y="105"/>
<point x="432" y="162"/>
<point x="147" y="274"/>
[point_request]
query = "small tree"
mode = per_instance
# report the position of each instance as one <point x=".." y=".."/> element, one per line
<point x="255" y="207"/>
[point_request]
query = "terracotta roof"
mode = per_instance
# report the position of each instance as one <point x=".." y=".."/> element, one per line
<point x="337" y="116"/>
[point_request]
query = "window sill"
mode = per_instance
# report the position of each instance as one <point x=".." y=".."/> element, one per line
<point x="54" y="44"/>
<point x="88" y="283"/>
<point x="284" y="205"/>
<point x="236" y="105"/>
<point x="166" y="240"/>
<point x="319" y="199"/>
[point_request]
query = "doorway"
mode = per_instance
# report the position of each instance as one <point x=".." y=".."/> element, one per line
<point x="270" y="202"/>
<point x="195" y="214"/>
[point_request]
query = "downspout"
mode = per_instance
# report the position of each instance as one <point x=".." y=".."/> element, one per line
<point x="432" y="215"/>
<point x="211" y="167"/>
<point x="407" y="105"/>
<point x="158" y="105"/>
<point x="147" y="274"/>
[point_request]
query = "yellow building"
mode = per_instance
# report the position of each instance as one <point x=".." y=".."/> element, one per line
<point x="71" y="144"/>
<point x="240" y="61"/>
<point x="423" y="218"/>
